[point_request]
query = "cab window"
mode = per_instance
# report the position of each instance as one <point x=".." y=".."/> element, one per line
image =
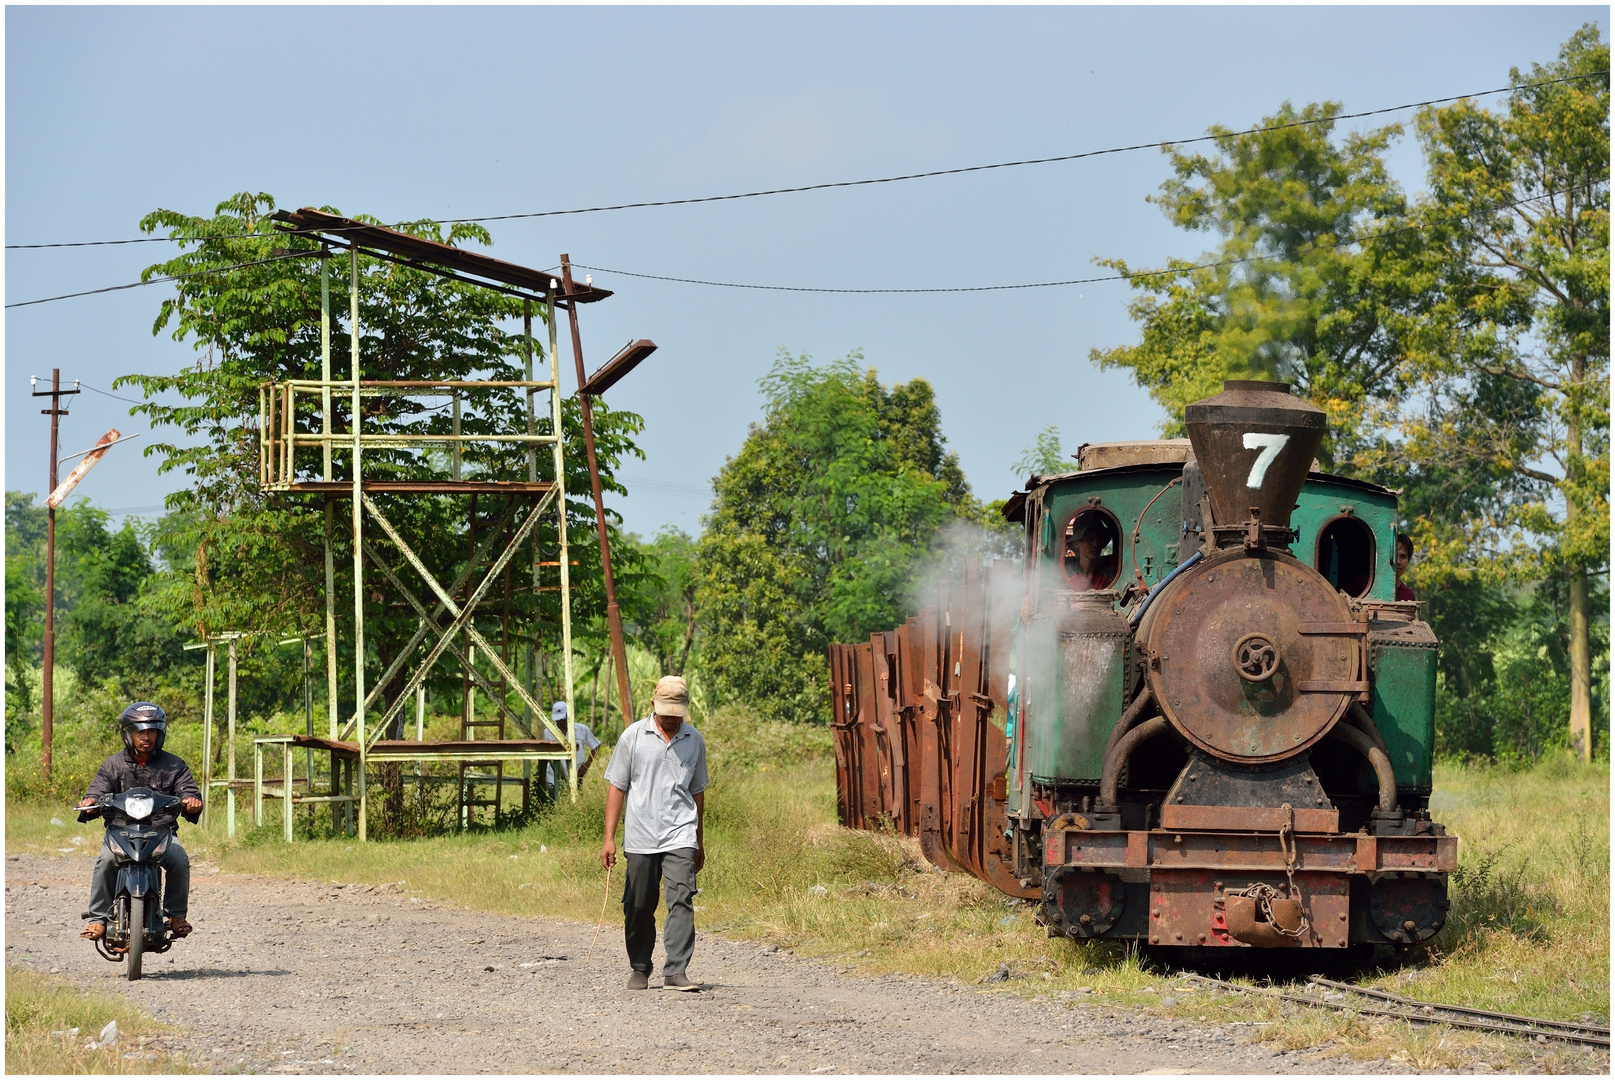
<point x="1346" y="555"/>
<point x="1092" y="550"/>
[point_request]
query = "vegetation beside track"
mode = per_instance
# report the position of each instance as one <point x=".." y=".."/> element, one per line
<point x="1529" y="931"/>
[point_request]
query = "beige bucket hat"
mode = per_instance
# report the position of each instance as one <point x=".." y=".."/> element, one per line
<point x="672" y="697"/>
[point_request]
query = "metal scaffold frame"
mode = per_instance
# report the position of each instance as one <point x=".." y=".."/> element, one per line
<point x="444" y="611"/>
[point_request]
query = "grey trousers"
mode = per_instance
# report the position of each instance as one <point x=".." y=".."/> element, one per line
<point x="176" y="882"/>
<point x="639" y="896"/>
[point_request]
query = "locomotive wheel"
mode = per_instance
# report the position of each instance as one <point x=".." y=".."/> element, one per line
<point x="137" y="935"/>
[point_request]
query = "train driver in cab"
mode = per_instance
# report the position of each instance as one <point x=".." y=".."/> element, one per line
<point x="1092" y="558"/>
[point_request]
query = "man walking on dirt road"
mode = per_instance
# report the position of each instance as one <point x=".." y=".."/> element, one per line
<point x="659" y="771"/>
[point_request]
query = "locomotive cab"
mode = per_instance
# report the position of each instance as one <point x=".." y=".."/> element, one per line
<point x="1223" y="729"/>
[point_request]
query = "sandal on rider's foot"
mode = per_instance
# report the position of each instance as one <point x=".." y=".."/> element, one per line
<point x="94" y="932"/>
<point x="178" y="927"/>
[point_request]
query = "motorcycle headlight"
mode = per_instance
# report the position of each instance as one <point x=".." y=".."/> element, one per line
<point x="138" y="807"/>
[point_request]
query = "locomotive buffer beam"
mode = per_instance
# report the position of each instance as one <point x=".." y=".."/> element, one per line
<point x="1173" y="886"/>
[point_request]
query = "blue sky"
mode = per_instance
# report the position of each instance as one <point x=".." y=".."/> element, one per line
<point x="457" y="112"/>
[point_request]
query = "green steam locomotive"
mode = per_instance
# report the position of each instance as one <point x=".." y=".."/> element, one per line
<point x="1208" y="725"/>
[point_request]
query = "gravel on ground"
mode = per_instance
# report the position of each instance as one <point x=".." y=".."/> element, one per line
<point x="300" y="976"/>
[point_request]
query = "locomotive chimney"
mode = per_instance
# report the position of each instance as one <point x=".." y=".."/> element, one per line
<point x="1254" y="443"/>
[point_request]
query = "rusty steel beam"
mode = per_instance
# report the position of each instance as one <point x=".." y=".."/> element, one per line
<point x="1343" y="853"/>
<point x="414" y="249"/>
<point x="619" y="649"/>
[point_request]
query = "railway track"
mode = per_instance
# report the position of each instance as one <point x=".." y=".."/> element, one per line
<point x="1428" y="1012"/>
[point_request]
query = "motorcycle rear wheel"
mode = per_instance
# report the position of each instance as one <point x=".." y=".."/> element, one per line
<point x="137" y="935"/>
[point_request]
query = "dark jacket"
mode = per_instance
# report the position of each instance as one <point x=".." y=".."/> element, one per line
<point x="164" y="773"/>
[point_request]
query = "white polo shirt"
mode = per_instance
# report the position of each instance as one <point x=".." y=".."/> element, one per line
<point x="661" y="779"/>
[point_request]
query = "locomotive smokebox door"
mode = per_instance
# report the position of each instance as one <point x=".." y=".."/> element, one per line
<point x="1254" y="443"/>
<point x="1248" y="656"/>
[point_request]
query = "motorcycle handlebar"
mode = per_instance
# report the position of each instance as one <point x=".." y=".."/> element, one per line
<point x="104" y="802"/>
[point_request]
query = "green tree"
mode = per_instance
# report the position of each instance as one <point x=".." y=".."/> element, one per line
<point x="1528" y="271"/>
<point x="25" y="605"/>
<point x="103" y="634"/>
<point x="1043" y="457"/>
<point x="820" y="524"/>
<point x="1295" y="290"/>
<point x="661" y="605"/>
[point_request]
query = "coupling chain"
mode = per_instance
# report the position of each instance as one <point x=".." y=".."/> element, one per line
<point x="1264" y="894"/>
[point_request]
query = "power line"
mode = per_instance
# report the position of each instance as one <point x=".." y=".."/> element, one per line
<point x="1371" y="238"/>
<point x="1160" y="143"/>
<point x="160" y="280"/>
<point x="103" y="393"/>
<point x="817" y="289"/>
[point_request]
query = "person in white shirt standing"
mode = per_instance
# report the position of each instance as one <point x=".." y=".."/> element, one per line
<point x="587" y="742"/>
<point x="659" y="773"/>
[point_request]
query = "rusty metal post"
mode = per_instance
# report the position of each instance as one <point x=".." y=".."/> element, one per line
<point x="532" y="478"/>
<point x="308" y="717"/>
<point x="47" y="705"/>
<point x="613" y="612"/>
<point x="325" y="362"/>
<point x="327" y="474"/>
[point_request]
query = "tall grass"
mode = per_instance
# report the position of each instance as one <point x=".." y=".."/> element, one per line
<point x="1529" y="926"/>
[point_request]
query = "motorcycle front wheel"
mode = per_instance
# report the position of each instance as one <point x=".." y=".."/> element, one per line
<point x="137" y="935"/>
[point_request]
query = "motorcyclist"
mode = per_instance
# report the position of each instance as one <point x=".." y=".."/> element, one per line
<point x="144" y="764"/>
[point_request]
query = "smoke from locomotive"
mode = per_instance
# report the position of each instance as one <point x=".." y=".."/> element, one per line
<point x="1208" y="724"/>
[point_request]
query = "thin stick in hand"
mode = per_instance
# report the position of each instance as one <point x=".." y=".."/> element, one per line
<point x="601" y="925"/>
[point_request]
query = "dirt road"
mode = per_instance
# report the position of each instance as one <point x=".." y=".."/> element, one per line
<point x="321" y="977"/>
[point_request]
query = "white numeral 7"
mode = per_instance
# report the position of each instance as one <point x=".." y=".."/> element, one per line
<point x="1270" y="445"/>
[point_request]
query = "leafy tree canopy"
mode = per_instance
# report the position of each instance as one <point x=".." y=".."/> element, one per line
<point x="820" y="524"/>
<point x="1317" y="280"/>
<point x="1043" y="457"/>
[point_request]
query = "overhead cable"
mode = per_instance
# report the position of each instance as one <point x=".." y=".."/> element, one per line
<point x="1372" y="237"/>
<point x="1169" y="272"/>
<point x="1157" y="144"/>
<point x="103" y="393"/>
<point x="170" y="277"/>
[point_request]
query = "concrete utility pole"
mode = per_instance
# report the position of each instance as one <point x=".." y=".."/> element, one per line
<point x="48" y="688"/>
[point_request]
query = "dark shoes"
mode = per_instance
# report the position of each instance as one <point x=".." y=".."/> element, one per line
<point x="638" y="980"/>
<point x="178" y="927"/>
<point x="679" y="982"/>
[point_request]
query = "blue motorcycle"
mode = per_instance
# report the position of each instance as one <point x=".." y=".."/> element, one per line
<point x="138" y="923"/>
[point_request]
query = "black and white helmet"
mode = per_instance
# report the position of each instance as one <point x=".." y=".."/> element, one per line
<point x="143" y="716"/>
